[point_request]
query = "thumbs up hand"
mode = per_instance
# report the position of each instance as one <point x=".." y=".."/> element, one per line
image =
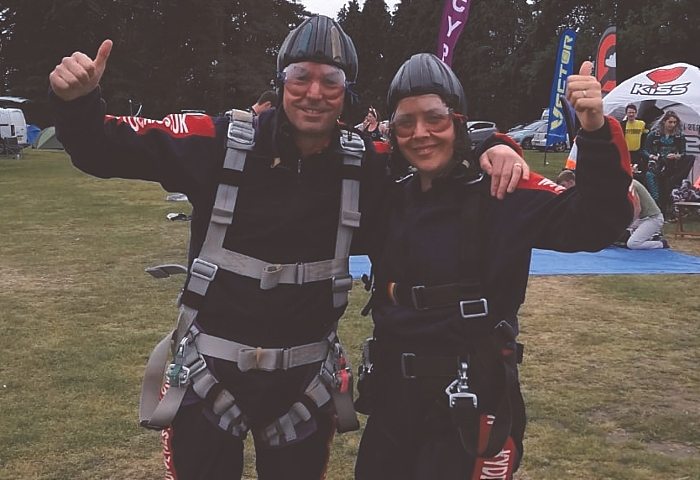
<point x="584" y="93"/>
<point x="78" y="74"/>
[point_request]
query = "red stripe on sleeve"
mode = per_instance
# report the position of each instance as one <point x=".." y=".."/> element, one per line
<point x="538" y="182"/>
<point x="618" y="138"/>
<point x="177" y="125"/>
<point x="510" y="142"/>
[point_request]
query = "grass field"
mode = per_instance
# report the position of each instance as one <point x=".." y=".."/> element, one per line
<point x="611" y="373"/>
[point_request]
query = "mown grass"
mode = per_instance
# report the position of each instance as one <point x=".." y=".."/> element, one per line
<point x="610" y="376"/>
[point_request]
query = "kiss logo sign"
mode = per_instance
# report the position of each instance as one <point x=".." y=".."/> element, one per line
<point x="662" y="78"/>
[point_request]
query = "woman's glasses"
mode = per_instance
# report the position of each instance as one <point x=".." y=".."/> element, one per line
<point x="433" y="121"/>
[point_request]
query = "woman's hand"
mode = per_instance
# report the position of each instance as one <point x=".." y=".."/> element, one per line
<point x="584" y="93"/>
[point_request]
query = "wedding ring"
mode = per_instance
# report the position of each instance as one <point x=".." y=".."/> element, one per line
<point x="585" y="95"/>
<point x="518" y="165"/>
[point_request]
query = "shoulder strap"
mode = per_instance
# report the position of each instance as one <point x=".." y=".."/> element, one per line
<point x="158" y="413"/>
<point x="352" y="150"/>
<point x="473" y="300"/>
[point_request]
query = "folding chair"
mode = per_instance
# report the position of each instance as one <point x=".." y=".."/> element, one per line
<point x="11" y="148"/>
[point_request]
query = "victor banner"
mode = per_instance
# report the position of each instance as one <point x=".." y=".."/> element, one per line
<point x="556" y="124"/>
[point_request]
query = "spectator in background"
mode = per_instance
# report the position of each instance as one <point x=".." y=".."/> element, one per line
<point x="371" y="126"/>
<point x="646" y="229"/>
<point x="566" y="178"/>
<point x="664" y="149"/>
<point x="635" y="134"/>
<point x="268" y="99"/>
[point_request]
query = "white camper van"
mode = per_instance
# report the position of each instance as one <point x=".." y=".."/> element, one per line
<point x="13" y="124"/>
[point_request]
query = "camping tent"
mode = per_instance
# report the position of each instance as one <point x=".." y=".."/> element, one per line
<point x="672" y="87"/>
<point x="47" y="140"/>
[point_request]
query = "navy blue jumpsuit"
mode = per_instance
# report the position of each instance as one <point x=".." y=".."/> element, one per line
<point x="284" y="214"/>
<point x="409" y="433"/>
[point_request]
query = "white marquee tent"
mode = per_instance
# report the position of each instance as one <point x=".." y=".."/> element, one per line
<point x="672" y="87"/>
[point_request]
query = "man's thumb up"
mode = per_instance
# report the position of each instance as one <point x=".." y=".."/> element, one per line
<point x="78" y="74"/>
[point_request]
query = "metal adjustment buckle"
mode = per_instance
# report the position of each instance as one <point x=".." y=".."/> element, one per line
<point x="458" y="391"/>
<point x="204" y="270"/>
<point x="476" y="180"/>
<point x="299" y="273"/>
<point x="363" y="370"/>
<point x="284" y="358"/>
<point x="197" y="366"/>
<point x="178" y="374"/>
<point x="404" y="370"/>
<point x="418" y="297"/>
<point x="341" y="283"/>
<point x="464" y="304"/>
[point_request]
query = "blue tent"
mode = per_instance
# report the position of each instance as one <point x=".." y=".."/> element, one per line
<point x="32" y="132"/>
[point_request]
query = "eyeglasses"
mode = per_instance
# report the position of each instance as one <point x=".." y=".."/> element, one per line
<point x="298" y="80"/>
<point x="434" y="121"/>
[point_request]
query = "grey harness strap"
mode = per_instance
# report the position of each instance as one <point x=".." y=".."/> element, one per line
<point x="189" y="367"/>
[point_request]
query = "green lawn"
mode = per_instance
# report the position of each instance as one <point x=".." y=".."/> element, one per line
<point x="610" y="375"/>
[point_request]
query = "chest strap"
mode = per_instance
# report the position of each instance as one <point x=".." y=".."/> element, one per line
<point x="157" y="413"/>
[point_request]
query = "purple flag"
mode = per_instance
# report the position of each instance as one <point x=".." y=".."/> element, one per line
<point x="454" y="16"/>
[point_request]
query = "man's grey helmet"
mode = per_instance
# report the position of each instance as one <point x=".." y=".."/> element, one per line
<point x="425" y="73"/>
<point x="319" y="39"/>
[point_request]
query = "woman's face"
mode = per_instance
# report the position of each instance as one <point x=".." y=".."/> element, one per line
<point x="425" y="135"/>
<point x="670" y="124"/>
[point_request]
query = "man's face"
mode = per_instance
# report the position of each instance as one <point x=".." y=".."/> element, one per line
<point x="313" y="97"/>
<point x="631" y="114"/>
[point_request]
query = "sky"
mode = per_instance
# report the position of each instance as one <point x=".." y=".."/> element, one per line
<point x="330" y="8"/>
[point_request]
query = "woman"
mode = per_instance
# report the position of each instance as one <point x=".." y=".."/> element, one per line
<point x="371" y="126"/>
<point x="450" y="275"/>
<point x="664" y="148"/>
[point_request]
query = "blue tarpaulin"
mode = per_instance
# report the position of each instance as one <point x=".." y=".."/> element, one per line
<point x="611" y="261"/>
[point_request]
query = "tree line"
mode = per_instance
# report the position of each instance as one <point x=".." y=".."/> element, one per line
<point x="173" y="55"/>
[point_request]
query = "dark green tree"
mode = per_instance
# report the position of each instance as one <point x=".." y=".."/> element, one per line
<point x="369" y="30"/>
<point x="487" y="58"/>
<point x="168" y="55"/>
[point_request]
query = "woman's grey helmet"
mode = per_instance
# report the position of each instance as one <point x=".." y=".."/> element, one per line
<point x="422" y="74"/>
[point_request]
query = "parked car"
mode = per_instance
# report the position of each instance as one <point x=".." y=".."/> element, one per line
<point x="480" y="130"/>
<point x="523" y="134"/>
<point x="539" y="141"/>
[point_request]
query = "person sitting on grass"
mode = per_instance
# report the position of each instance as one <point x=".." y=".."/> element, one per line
<point x="647" y="227"/>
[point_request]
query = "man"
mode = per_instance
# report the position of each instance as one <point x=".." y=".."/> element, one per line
<point x="566" y="178"/>
<point x="272" y="220"/>
<point x="268" y="99"/>
<point x="635" y="131"/>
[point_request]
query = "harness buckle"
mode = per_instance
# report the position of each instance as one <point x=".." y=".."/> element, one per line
<point x="341" y="283"/>
<point x="407" y="372"/>
<point x="177" y="373"/>
<point x="474" y="308"/>
<point x="299" y="273"/>
<point x="418" y="297"/>
<point x="458" y="391"/>
<point x="204" y="270"/>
